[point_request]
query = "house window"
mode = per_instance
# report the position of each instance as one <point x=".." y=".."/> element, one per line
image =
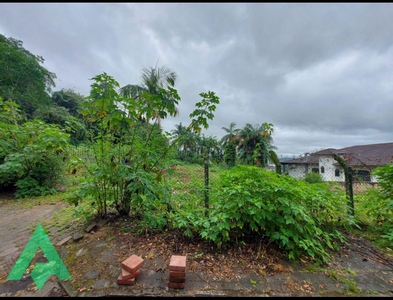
<point x="315" y="170"/>
<point x="337" y="172"/>
<point x="361" y="176"/>
<point x="322" y="169"/>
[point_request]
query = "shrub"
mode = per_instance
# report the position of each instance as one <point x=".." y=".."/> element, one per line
<point x="31" y="156"/>
<point x="313" y="178"/>
<point x="295" y="215"/>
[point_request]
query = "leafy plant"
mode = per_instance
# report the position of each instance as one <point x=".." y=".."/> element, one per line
<point x="23" y="79"/>
<point x="31" y="154"/>
<point x="299" y="217"/>
<point x="130" y="148"/>
<point x="313" y="178"/>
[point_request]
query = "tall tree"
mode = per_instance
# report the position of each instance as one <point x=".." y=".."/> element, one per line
<point x="229" y="142"/>
<point x="65" y="111"/>
<point x="179" y="137"/>
<point x="22" y="78"/>
<point x="154" y="80"/>
<point x="255" y="142"/>
<point x="69" y="99"/>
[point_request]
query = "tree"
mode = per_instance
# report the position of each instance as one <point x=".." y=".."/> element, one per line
<point x="153" y="81"/>
<point x="229" y="142"/>
<point x="231" y="135"/>
<point x="129" y="155"/>
<point x="178" y="135"/>
<point x="22" y="78"/>
<point x="69" y="99"/>
<point x="255" y="143"/>
<point x="65" y="111"/>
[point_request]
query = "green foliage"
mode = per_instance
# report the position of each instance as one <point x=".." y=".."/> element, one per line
<point x="255" y="143"/>
<point x="204" y="111"/>
<point x="70" y="100"/>
<point x="229" y="141"/>
<point x="60" y="115"/>
<point x="385" y="201"/>
<point x="65" y="111"/>
<point x="230" y="155"/>
<point x="22" y="78"/>
<point x="290" y="212"/>
<point x="375" y="209"/>
<point x="129" y="157"/>
<point x="385" y="179"/>
<point x="276" y="161"/>
<point x="31" y="155"/>
<point x="31" y="187"/>
<point x="313" y="178"/>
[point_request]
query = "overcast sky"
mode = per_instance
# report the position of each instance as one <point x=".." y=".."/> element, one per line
<point x="322" y="74"/>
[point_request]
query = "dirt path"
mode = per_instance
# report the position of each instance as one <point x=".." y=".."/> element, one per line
<point x="18" y="221"/>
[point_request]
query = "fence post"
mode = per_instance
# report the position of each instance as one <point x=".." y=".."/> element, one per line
<point x="348" y="183"/>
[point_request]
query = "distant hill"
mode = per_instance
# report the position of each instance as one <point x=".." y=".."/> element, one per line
<point x="281" y="159"/>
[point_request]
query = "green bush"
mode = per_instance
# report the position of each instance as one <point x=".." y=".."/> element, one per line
<point x="313" y="178"/>
<point x="31" y="156"/>
<point x="384" y="205"/>
<point x="300" y="218"/>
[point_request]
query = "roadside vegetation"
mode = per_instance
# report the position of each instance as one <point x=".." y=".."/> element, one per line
<point x="107" y="155"/>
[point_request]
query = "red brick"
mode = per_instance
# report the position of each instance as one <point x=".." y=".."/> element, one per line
<point x="177" y="263"/>
<point x="127" y="275"/>
<point x="177" y="280"/>
<point x="122" y="281"/>
<point x="176" y="285"/>
<point x="177" y="274"/>
<point x="132" y="263"/>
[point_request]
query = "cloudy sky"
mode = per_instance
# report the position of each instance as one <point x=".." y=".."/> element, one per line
<point x="322" y="74"/>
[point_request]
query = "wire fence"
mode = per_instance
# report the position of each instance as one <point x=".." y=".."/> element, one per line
<point x="330" y="171"/>
<point x="199" y="180"/>
<point x="188" y="181"/>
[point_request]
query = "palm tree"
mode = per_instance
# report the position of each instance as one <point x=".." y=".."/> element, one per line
<point x="255" y="144"/>
<point x="229" y="142"/>
<point x="231" y="135"/>
<point x="211" y="146"/>
<point x="178" y="135"/>
<point x="153" y="80"/>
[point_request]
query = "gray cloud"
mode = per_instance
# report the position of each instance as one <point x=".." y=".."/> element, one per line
<point x="321" y="73"/>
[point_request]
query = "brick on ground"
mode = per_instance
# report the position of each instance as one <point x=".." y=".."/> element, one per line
<point x="177" y="280"/>
<point x="122" y="281"/>
<point x="177" y="272"/>
<point x="130" y="270"/>
<point x="133" y="263"/>
<point x="127" y="275"/>
<point x="177" y="263"/>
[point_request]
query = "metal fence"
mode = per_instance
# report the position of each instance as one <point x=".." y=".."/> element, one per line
<point x="330" y="171"/>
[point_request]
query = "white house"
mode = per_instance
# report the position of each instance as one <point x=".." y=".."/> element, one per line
<point x="362" y="159"/>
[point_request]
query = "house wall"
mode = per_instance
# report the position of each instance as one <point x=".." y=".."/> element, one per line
<point x="330" y="166"/>
<point x="299" y="171"/>
<point x="330" y="170"/>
